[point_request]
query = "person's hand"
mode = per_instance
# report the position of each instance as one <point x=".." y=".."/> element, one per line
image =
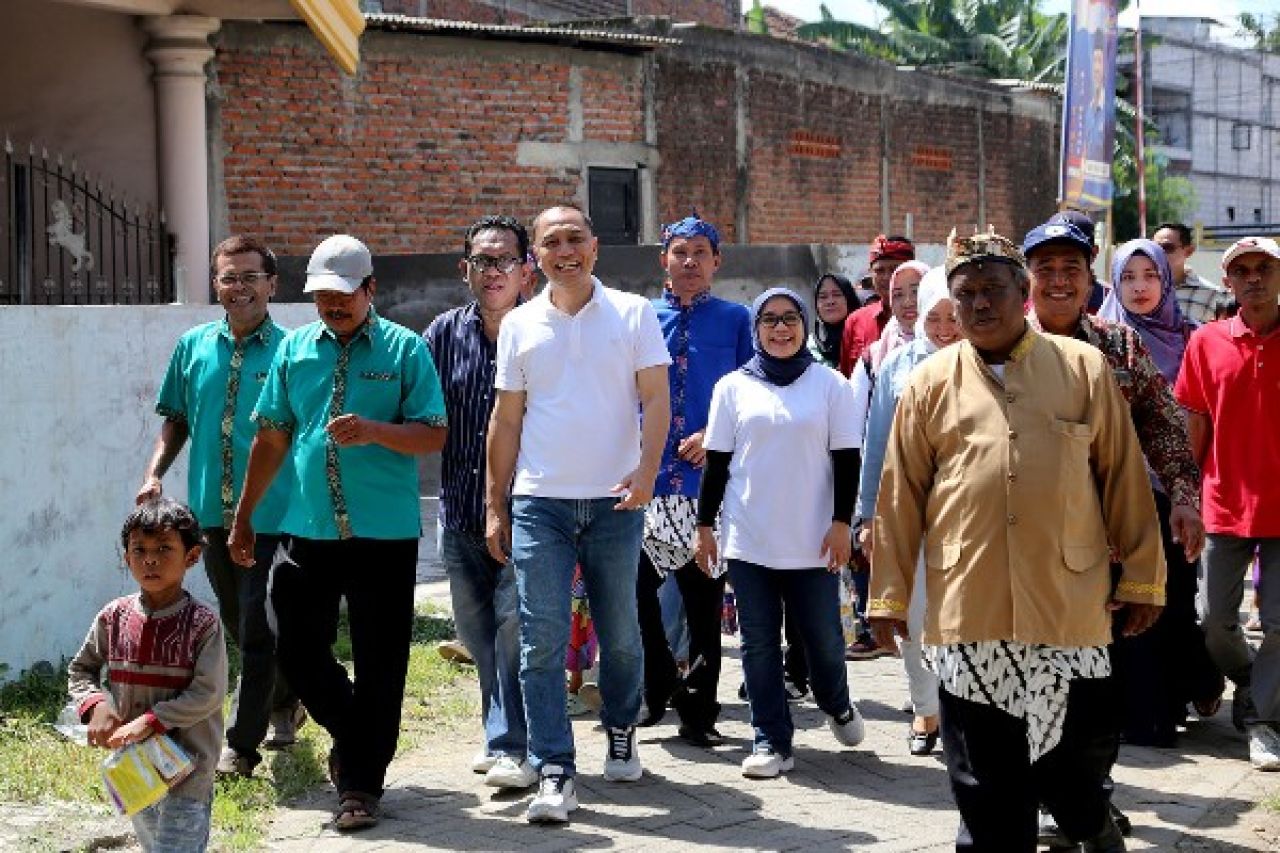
<point x="103" y="723"/>
<point x="706" y="552"/>
<point x="1188" y="530"/>
<point x="1138" y="618"/>
<point x="867" y="540"/>
<point x="240" y="542"/>
<point x="497" y="533"/>
<point x="885" y="632"/>
<point x="352" y="430"/>
<point x="151" y="489"/>
<point x="691" y="450"/>
<point x="636" y="490"/>
<point x="837" y="546"/>
<point x="131" y="732"/>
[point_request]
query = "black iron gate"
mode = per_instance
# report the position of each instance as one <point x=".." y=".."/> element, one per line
<point x="66" y="241"/>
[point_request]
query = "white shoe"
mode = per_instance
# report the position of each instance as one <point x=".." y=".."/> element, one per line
<point x="483" y="762"/>
<point x="847" y="727"/>
<point x="621" y="761"/>
<point x="1264" y="747"/>
<point x="557" y="796"/>
<point x="764" y="763"/>
<point x="510" y="773"/>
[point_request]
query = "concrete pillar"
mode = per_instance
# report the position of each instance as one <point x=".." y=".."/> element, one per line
<point x="179" y="49"/>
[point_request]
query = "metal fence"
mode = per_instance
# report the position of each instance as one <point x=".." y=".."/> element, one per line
<point x="64" y="240"/>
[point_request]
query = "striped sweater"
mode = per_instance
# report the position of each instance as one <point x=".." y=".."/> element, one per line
<point x="168" y="664"/>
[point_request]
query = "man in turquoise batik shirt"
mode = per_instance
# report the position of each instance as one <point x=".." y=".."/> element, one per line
<point x="354" y="399"/>
<point x="209" y="390"/>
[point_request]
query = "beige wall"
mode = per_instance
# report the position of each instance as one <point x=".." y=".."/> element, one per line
<point x="75" y="80"/>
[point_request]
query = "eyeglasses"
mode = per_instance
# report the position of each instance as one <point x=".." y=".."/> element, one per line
<point x="790" y="319"/>
<point x="481" y="263"/>
<point x="229" y="279"/>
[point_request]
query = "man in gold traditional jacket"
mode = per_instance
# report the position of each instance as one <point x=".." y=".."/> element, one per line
<point x="1013" y="463"/>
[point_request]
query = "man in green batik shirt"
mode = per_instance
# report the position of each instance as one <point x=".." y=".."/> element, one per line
<point x="353" y="399"/>
<point x="209" y="390"/>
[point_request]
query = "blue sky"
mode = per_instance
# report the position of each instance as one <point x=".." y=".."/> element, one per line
<point x="865" y="11"/>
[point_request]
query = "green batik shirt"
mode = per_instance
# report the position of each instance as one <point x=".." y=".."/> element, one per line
<point x="384" y="373"/>
<point x="212" y="384"/>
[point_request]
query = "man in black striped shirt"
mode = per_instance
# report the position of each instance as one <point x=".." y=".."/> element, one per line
<point x="463" y="342"/>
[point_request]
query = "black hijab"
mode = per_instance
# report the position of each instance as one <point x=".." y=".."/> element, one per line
<point x="829" y="335"/>
<point x="771" y="369"/>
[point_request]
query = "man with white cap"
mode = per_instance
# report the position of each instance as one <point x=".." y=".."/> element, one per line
<point x="1230" y="386"/>
<point x="353" y="399"/>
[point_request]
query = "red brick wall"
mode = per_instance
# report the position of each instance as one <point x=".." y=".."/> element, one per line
<point x="697" y="143"/>
<point x="725" y="14"/>
<point x="406" y="155"/>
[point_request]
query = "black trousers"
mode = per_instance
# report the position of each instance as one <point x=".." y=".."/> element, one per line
<point x="997" y="788"/>
<point x="376" y="577"/>
<point x="703" y="601"/>
<point x="1168" y="665"/>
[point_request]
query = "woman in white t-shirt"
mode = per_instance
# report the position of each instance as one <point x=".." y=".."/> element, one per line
<point x="784" y="464"/>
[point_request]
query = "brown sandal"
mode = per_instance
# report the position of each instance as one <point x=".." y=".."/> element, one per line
<point x="356" y="810"/>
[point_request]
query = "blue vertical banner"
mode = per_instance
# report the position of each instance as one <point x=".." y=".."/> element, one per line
<point x="1089" y="109"/>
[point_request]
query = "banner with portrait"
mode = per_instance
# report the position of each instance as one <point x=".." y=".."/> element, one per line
<point x="1088" y="110"/>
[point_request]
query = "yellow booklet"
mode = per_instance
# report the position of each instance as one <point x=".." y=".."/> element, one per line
<point x="140" y="774"/>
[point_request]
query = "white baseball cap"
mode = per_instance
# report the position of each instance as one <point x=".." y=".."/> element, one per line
<point x="1248" y="245"/>
<point x="339" y="263"/>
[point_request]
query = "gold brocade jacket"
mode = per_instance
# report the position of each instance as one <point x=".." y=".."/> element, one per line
<point x="1021" y="491"/>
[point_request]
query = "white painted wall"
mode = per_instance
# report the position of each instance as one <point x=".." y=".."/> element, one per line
<point x="77" y="390"/>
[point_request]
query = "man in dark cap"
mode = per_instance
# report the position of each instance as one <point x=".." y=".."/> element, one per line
<point x="1097" y="290"/>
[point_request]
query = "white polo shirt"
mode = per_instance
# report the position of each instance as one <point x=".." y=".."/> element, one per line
<point x="581" y="432"/>
<point x="780" y="497"/>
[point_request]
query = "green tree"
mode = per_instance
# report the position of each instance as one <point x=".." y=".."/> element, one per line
<point x="1266" y="38"/>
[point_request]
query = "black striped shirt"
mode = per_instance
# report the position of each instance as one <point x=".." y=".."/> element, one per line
<point x="465" y="361"/>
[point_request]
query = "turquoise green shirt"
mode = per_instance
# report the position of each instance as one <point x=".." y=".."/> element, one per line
<point x="212" y="384"/>
<point x="385" y="373"/>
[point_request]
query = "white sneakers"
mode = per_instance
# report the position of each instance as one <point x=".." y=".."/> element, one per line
<point x="847" y="727"/>
<point x="764" y="763"/>
<point x="507" y="772"/>
<point x="621" y="761"/>
<point x="557" y="797"/>
<point x="1264" y="747"/>
<point x="483" y="762"/>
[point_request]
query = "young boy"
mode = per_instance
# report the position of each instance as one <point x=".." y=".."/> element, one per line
<point x="166" y="663"/>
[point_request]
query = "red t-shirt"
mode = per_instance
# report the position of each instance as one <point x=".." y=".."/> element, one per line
<point x="1233" y="376"/>
<point x="862" y="328"/>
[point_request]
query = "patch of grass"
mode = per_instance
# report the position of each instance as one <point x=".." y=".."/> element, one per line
<point x="1272" y="802"/>
<point x="39" y="765"/>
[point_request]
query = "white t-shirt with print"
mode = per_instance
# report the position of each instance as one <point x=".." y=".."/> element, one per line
<point x="581" y="430"/>
<point x="779" y="500"/>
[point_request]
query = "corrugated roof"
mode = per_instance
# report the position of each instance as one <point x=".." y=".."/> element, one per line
<point x="543" y="33"/>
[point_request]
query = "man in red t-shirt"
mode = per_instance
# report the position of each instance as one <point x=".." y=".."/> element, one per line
<point x="1230" y="386"/>
<point x="863" y="327"/>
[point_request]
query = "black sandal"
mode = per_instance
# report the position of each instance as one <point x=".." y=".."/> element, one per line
<point x="356" y="811"/>
<point x="922" y="743"/>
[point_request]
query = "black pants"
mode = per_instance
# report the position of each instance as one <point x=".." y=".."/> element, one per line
<point x="1168" y="665"/>
<point x="242" y="604"/>
<point x="997" y="788"/>
<point x="703" y="601"/>
<point x="376" y="576"/>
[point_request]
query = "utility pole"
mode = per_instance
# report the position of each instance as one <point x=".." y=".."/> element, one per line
<point x="1141" y="129"/>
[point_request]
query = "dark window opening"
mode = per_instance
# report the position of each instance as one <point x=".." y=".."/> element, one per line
<point x="613" y="201"/>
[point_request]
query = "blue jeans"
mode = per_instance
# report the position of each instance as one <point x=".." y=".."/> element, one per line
<point x="548" y="537"/>
<point x="174" y="825"/>
<point x="812" y="600"/>
<point x="488" y="622"/>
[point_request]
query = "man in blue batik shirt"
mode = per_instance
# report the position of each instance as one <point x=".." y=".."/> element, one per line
<point x="707" y="337"/>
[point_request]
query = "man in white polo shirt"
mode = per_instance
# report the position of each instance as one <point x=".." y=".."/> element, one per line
<point x="577" y="365"/>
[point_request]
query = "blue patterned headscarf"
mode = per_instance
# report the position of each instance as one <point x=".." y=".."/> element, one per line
<point x="1164" y="330"/>
<point x="690" y="227"/>
<point x="770" y="368"/>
